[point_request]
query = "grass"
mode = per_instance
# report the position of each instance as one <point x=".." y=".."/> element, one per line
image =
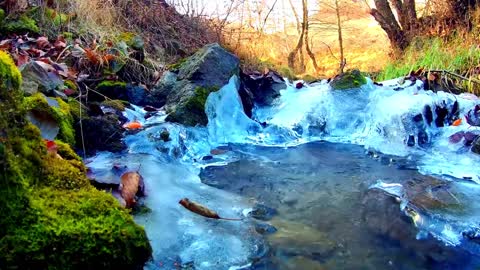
<point x="453" y="54"/>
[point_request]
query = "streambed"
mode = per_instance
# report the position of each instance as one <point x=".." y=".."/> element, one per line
<point x="330" y="179"/>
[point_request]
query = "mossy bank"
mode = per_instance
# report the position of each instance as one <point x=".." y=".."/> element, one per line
<point x="52" y="218"/>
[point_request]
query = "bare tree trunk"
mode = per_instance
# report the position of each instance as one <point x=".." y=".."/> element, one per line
<point x="384" y="16"/>
<point x="293" y="54"/>
<point x="306" y="26"/>
<point x="340" y="38"/>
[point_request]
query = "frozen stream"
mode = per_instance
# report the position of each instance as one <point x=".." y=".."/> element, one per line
<point x="333" y="180"/>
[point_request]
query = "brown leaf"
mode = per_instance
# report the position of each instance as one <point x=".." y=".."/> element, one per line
<point x="129" y="186"/>
<point x="22" y="60"/>
<point x="60" y="45"/>
<point x="42" y="42"/>
<point x="201" y="210"/>
<point x="198" y="208"/>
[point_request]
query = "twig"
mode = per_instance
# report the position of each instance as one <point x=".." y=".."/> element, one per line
<point x="456" y="75"/>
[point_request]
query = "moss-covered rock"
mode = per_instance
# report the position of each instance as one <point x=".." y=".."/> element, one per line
<point x="51" y="218"/>
<point x="116" y="104"/>
<point x="101" y="133"/>
<point x="193" y="110"/>
<point x="109" y="89"/>
<point x="20" y="25"/>
<point x="66" y="152"/>
<point x="184" y="92"/>
<point x="84" y="229"/>
<point x="57" y="109"/>
<point x="348" y="80"/>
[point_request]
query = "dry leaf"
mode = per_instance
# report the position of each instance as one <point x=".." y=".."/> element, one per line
<point x="201" y="210"/>
<point x="129" y="186"/>
<point x="42" y="42"/>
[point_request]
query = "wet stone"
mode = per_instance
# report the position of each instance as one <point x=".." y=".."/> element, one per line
<point x="263" y="212"/>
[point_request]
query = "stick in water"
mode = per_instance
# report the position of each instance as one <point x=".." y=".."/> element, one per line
<point x="202" y="210"/>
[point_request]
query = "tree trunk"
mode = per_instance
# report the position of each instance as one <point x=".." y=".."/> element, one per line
<point x="293" y="54"/>
<point x="340" y="38"/>
<point x="306" y="26"/>
<point x="384" y="16"/>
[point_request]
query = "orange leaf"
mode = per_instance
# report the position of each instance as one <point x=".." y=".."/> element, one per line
<point x="133" y="125"/>
<point x="108" y="57"/>
<point x="92" y="56"/>
<point x="457" y="122"/>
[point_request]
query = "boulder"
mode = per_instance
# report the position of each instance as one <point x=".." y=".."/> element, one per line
<point x="262" y="88"/>
<point x="102" y="133"/>
<point x="185" y="91"/>
<point x="137" y="94"/>
<point x="348" y="80"/>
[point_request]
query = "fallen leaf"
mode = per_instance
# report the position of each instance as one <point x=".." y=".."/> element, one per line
<point x="129" y="187"/>
<point x="201" y="210"/>
<point x="92" y="56"/>
<point x="457" y="122"/>
<point x="22" y="60"/>
<point x="42" y="42"/>
<point x="133" y="125"/>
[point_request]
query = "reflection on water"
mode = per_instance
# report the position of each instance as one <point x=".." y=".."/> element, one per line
<point x="326" y="215"/>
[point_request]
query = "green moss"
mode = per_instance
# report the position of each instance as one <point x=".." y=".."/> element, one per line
<point x="287" y="72"/>
<point x="66" y="151"/>
<point x="116" y="104"/>
<point x="349" y="80"/>
<point x="192" y="112"/>
<point x="23" y="24"/>
<point x="55" y="17"/>
<point x="61" y="114"/>
<point x="64" y="174"/>
<point x="77" y="109"/>
<point x="177" y="65"/>
<point x="84" y="229"/>
<point x="111" y="84"/>
<point x="109" y="89"/>
<point x="51" y="218"/>
<point x="71" y="85"/>
<point x="2" y="16"/>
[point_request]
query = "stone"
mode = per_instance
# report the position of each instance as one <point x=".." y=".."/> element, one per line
<point x="262" y="212"/>
<point x="185" y="92"/>
<point x="35" y="75"/>
<point x="101" y="133"/>
<point x="137" y="94"/>
<point x="264" y="88"/>
<point x="351" y="79"/>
